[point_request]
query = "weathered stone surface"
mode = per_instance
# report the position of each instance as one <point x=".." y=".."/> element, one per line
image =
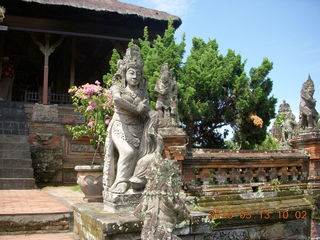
<point x="45" y="113"/>
<point x="35" y="222"/>
<point x="93" y="222"/>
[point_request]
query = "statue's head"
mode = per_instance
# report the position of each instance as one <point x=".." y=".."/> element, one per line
<point x="308" y="87"/>
<point x="130" y="68"/>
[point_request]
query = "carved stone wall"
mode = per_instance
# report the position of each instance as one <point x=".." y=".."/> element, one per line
<point x="49" y="139"/>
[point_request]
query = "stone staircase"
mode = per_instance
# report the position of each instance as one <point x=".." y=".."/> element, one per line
<point x="16" y="170"/>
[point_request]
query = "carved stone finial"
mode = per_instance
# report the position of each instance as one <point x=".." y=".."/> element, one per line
<point x="308" y="117"/>
<point x="167" y="103"/>
<point x="161" y="208"/>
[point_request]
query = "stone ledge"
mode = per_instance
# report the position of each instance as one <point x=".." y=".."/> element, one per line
<point x="93" y="222"/>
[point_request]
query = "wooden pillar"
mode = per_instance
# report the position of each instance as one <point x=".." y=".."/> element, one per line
<point x="1" y="51"/>
<point x="47" y="50"/>
<point x="73" y="60"/>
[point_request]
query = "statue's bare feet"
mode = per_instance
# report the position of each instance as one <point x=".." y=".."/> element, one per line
<point x="121" y="188"/>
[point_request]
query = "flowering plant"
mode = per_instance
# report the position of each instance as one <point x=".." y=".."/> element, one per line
<point x="95" y="104"/>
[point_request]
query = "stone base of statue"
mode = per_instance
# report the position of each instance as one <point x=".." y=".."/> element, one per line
<point x="117" y="203"/>
<point x="309" y="140"/>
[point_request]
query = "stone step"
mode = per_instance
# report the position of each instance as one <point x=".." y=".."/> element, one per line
<point x="16" y="173"/>
<point x="11" y="104"/>
<point x="7" y="138"/>
<point x="33" y="211"/>
<point x="14" y="146"/>
<point x="15" y="154"/>
<point x="17" y="183"/>
<point x="15" y="163"/>
<point x="13" y="127"/>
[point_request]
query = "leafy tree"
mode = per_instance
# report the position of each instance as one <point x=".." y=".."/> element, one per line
<point x="256" y="100"/>
<point x="163" y="49"/>
<point x="270" y="143"/>
<point x="217" y="92"/>
<point x="214" y="90"/>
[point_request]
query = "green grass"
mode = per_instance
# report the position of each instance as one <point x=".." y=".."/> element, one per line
<point x="76" y="188"/>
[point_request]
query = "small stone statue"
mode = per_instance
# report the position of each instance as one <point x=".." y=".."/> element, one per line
<point x="161" y="208"/>
<point x="166" y="105"/>
<point x="125" y="131"/>
<point x="284" y="128"/>
<point x="308" y="117"/>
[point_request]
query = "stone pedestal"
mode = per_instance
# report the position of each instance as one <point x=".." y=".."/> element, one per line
<point x="174" y="141"/>
<point x="309" y="141"/>
<point x="117" y="203"/>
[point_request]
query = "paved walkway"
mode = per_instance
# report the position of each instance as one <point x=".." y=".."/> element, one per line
<point x="45" y="201"/>
<point x="49" y="236"/>
<point x="29" y="202"/>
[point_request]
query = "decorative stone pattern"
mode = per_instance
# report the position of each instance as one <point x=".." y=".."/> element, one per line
<point x="47" y="135"/>
<point x="239" y="167"/>
<point x="161" y="207"/>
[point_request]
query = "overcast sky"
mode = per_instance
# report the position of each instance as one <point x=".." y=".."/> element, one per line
<point x="285" y="31"/>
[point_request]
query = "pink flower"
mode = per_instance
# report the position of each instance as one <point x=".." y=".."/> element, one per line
<point x="91" y="123"/>
<point x="93" y="104"/>
<point x="107" y="122"/>
<point x="89" y="108"/>
<point x="97" y="83"/>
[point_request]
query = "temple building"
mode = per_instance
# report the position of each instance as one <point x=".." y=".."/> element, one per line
<point x="55" y="44"/>
<point x="47" y="46"/>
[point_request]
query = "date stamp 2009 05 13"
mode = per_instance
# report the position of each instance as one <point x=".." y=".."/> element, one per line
<point x="262" y="214"/>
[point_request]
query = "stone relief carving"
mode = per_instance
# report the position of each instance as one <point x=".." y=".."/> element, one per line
<point x="45" y="113"/>
<point x="309" y="116"/>
<point x="125" y="131"/>
<point x="161" y="208"/>
<point x="167" y="103"/>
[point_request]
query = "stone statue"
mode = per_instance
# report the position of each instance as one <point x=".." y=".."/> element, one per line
<point x="161" y="208"/>
<point x="166" y="105"/>
<point x="131" y="107"/>
<point x="308" y="117"/>
<point x="285" y="124"/>
<point x="151" y="148"/>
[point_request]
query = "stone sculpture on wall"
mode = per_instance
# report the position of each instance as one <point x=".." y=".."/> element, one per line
<point x="166" y="105"/>
<point x="285" y="125"/>
<point x="308" y="117"/>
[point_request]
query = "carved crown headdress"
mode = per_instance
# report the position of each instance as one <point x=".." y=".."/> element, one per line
<point x="307" y="84"/>
<point x="132" y="59"/>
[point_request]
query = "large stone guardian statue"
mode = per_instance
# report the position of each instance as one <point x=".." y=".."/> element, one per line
<point x="131" y="107"/>
<point x="308" y="117"/>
